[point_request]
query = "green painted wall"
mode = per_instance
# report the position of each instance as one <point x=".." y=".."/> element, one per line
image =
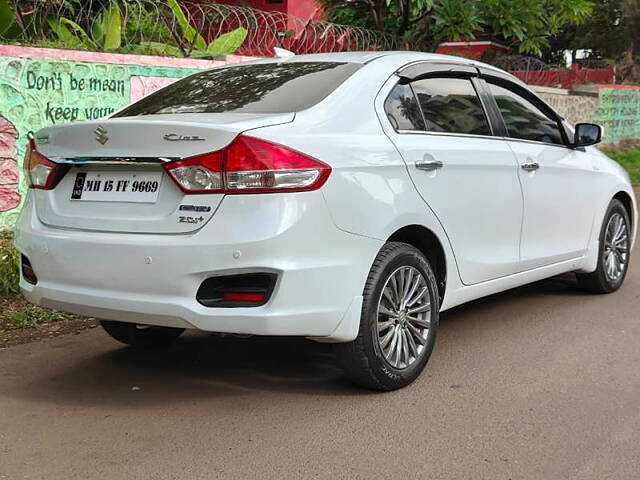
<point x="619" y="112"/>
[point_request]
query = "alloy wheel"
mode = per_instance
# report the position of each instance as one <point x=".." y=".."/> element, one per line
<point x="616" y="248"/>
<point x="403" y="317"/>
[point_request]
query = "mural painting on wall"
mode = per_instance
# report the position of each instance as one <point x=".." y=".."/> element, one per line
<point x="35" y="93"/>
<point x="9" y="195"/>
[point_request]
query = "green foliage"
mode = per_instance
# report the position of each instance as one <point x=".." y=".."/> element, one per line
<point x="356" y="14"/>
<point x="189" y="33"/>
<point x="425" y="23"/>
<point x="9" y="273"/>
<point x="71" y="35"/>
<point x="142" y="25"/>
<point x="158" y="48"/>
<point x="107" y="29"/>
<point x="196" y="44"/>
<point x="529" y="25"/>
<point x="161" y="28"/>
<point x="456" y="19"/>
<point x="8" y="26"/>
<point x="227" y="43"/>
<point x="607" y="32"/>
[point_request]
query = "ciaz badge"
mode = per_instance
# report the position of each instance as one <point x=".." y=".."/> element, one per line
<point x="174" y="137"/>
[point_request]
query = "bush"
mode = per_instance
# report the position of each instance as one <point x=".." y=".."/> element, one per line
<point x="9" y="272"/>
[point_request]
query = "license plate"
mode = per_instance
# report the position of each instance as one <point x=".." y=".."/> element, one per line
<point x="117" y="187"/>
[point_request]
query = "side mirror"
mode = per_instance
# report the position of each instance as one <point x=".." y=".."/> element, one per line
<point x="587" y="134"/>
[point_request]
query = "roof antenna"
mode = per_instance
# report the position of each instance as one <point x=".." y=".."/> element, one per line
<point x="282" y="53"/>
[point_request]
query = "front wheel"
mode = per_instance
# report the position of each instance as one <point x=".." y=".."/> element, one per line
<point x="141" y="336"/>
<point x="613" y="256"/>
<point x="398" y="322"/>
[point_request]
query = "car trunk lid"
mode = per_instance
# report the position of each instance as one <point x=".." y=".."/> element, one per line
<point x="115" y="181"/>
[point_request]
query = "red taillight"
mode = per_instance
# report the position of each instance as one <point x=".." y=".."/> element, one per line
<point x="41" y="172"/>
<point x="249" y="165"/>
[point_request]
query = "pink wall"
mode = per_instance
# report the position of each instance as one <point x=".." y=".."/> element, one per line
<point x="115" y="58"/>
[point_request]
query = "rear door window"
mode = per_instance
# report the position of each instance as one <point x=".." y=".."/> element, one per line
<point x="451" y="105"/>
<point x="257" y="88"/>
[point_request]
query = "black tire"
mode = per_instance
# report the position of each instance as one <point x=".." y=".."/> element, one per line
<point x="363" y="359"/>
<point x="599" y="281"/>
<point x="141" y="336"/>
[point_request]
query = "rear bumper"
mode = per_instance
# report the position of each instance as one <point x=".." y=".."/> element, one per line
<point x="153" y="279"/>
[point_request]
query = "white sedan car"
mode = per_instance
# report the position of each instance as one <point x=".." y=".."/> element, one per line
<point x="347" y="198"/>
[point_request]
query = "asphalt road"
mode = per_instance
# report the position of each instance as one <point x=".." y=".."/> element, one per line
<point x="542" y="382"/>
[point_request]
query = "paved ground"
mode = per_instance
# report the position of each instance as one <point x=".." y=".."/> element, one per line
<point x="542" y="382"/>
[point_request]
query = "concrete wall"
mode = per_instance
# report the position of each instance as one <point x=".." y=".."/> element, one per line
<point x="575" y="108"/>
<point x="41" y="87"/>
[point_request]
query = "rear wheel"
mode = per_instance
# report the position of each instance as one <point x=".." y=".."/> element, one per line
<point x="141" y="336"/>
<point x="613" y="257"/>
<point x="398" y="322"/>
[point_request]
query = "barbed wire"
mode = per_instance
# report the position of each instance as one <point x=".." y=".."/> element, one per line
<point x="153" y="26"/>
<point x="523" y="63"/>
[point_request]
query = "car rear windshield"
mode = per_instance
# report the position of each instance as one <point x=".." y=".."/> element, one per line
<point x="256" y="88"/>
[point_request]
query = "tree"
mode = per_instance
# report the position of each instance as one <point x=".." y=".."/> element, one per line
<point x="606" y="33"/>
<point x="526" y="25"/>
<point x="631" y="18"/>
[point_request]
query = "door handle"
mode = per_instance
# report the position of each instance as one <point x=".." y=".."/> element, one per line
<point x="530" y="166"/>
<point x="428" y="165"/>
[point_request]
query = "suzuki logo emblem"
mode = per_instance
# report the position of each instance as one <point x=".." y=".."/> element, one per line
<point x="101" y="135"/>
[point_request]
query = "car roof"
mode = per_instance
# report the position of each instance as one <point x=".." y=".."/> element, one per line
<point x="404" y="57"/>
<point x="366" y="57"/>
<point x="401" y="57"/>
<point x="352" y="57"/>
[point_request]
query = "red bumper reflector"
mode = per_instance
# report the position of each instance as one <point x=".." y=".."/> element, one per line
<point x="243" y="297"/>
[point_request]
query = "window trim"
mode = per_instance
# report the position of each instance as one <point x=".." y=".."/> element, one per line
<point x="432" y="69"/>
<point x="449" y="134"/>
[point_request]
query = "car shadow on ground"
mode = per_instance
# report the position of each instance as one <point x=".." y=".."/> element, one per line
<point x="202" y="365"/>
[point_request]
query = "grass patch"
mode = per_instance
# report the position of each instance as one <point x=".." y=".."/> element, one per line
<point x="630" y="161"/>
<point x="16" y="313"/>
